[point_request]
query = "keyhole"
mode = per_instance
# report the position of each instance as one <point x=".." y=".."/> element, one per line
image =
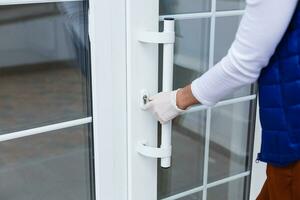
<point x="145" y="99"/>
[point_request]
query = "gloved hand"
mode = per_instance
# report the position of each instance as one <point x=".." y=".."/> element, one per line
<point x="163" y="106"/>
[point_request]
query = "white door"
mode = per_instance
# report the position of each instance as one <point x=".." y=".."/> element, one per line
<point x="51" y="110"/>
<point x="211" y="147"/>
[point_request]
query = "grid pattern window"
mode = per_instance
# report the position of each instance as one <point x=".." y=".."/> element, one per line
<point x="45" y="99"/>
<point x="211" y="146"/>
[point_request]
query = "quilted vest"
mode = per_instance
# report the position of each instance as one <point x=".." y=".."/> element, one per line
<point x="279" y="99"/>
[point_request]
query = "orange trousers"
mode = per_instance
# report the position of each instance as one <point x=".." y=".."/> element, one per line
<point x="283" y="183"/>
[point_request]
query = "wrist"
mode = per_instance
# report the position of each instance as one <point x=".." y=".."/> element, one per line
<point x="185" y="98"/>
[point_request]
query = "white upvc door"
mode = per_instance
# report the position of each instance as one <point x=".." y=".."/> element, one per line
<point x="58" y="135"/>
<point x="211" y="147"/>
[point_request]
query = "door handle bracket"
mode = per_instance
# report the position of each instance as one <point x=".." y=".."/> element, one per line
<point x="156" y="37"/>
<point x="153" y="152"/>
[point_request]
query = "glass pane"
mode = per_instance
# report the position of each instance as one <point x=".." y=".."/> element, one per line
<point x="188" y="138"/>
<point x="235" y="190"/>
<point x="230" y="140"/>
<point x="44" y="64"/>
<point x="48" y="166"/>
<point x="226" y="28"/>
<point x="231" y="4"/>
<point x="196" y="196"/>
<point x="191" y="50"/>
<point x="183" y="6"/>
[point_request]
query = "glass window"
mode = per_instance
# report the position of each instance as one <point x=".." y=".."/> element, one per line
<point x="188" y="138"/>
<point x="191" y="50"/>
<point x="226" y="28"/>
<point x="230" y="140"/>
<point x="44" y="64"/>
<point x="231" y="4"/>
<point x="234" y="190"/>
<point x="183" y="6"/>
<point x="49" y="166"/>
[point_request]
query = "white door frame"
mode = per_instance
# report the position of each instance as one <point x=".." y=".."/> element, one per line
<point x="142" y="73"/>
<point x="258" y="173"/>
<point x="140" y="56"/>
<point x="114" y="117"/>
<point x="108" y="51"/>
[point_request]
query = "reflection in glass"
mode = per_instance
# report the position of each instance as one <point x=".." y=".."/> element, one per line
<point x="235" y="190"/>
<point x="191" y="60"/>
<point x="44" y="64"/>
<point x="191" y="50"/>
<point x="183" y="6"/>
<point x="226" y="28"/>
<point x="231" y="4"/>
<point x="230" y="140"/>
<point x="188" y="138"/>
<point x="48" y="166"/>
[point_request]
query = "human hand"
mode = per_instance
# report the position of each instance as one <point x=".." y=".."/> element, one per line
<point x="163" y="106"/>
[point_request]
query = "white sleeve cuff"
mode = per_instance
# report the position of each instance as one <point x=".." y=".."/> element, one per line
<point x="197" y="95"/>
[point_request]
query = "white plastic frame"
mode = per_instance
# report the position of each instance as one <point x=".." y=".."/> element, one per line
<point x="109" y="132"/>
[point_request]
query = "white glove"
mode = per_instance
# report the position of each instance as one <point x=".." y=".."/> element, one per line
<point x="163" y="106"/>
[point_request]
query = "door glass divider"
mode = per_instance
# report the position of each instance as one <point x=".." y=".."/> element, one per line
<point x="212" y="34"/>
<point x="203" y="15"/>
<point x="229" y="13"/>
<point x="18" y="2"/>
<point x="185" y="193"/>
<point x="44" y="129"/>
<point x="209" y="185"/>
<point x="208" y="113"/>
<point x="206" y="153"/>
<point x="228" y="179"/>
<point x="221" y="103"/>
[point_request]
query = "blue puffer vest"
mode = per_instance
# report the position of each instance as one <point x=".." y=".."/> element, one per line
<point x="279" y="98"/>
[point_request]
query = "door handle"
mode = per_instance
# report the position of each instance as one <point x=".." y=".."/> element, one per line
<point x="167" y="38"/>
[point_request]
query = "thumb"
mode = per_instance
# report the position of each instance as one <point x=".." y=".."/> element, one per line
<point x="148" y="105"/>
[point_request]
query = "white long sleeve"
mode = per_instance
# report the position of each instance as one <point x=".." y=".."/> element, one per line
<point x="260" y="31"/>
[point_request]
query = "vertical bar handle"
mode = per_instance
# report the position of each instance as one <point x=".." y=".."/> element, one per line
<point x="167" y="86"/>
<point x="167" y="38"/>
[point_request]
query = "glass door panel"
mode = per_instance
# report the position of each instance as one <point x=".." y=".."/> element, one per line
<point x="234" y="190"/>
<point x="230" y="5"/>
<point x="188" y="150"/>
<point x="212" y="147"/>
<point x="46" y="135"/>
<point x="230" y="140"/>
<point x="226" y="27"/>
<point x="183" y="6"/>
<point x="44" y="64"/>
<point x="48" y="166"/>
<point x="191" y="50"/>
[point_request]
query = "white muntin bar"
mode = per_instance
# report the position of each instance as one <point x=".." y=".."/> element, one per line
<point x="203" y="15"/>
<point x="167" y="85"/>
<point x="209" y="185"/>
<point x="44" y="129"/>
<point x="18" y="2"/>
<point x="221" y="103"/>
